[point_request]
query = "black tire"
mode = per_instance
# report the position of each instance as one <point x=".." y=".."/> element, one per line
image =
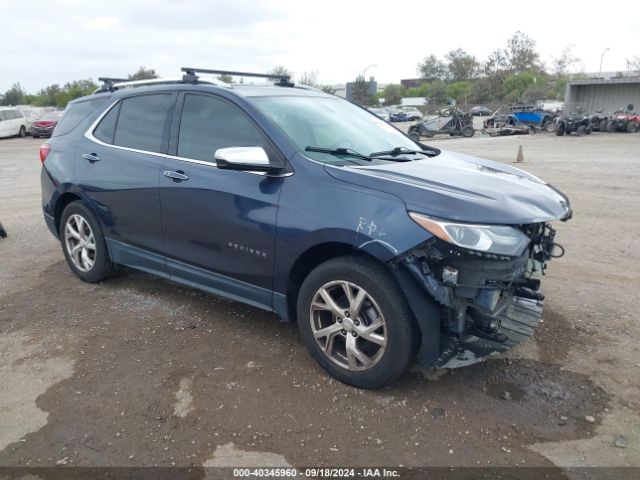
<point x="23" y="131"/>
<point x="102" y="267"/>
<point x="560" y="129"/>
<point x="631" y="127"/>
<point x="581" y="130"/>
<point x="467" y="131"/>
<point x="611" y="126"/>
<point x="603" y="126"/>
<point x="589" y="130"/>
<point x="414" y="136"/>
<point x="35" y="136"/>
<point x="400" y="329"/>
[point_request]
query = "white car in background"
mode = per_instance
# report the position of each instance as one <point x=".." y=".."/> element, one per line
<point x="12" y="122"/>
<point x="412" y="113"/>
<point x="380" y="112"/>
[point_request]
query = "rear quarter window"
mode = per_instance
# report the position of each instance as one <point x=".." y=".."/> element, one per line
<point x="75" y="113"/>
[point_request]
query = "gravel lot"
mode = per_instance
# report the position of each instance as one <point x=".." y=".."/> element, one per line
<point x="139" y="371"/>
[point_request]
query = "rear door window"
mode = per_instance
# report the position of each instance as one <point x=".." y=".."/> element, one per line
<point x="106" y="129"/>
<point x="141" y="122"/>
<point x="74" y="114"/>
<point x="209" y="123"/>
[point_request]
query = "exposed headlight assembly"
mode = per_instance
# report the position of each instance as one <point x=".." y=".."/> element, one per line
<point x="497" y="239"/>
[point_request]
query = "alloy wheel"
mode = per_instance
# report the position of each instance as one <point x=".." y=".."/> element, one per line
<point x="348" y="325"/>
<point x="80" y="242"/>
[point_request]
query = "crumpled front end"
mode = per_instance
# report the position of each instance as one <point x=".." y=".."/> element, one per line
<point x="486" y="303"/>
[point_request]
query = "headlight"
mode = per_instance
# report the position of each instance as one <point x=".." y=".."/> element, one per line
<point x="496" y="239"/>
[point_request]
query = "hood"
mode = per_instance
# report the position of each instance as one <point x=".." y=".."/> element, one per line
<point x="461" y="187"/>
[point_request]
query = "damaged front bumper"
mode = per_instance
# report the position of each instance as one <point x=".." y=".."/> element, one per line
<point x="476" y="304"/>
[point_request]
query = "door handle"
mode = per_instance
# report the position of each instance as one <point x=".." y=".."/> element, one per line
<point x="91" y="157"/>
<point x="178" y="176"/>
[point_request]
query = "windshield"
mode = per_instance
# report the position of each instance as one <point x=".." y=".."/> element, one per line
<point x="333" y="123"/>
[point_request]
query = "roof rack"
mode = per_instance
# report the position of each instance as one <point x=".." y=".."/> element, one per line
<point x="108" y="83"/>
<point x="112" y="84"/>
<point x="191" y="77"/>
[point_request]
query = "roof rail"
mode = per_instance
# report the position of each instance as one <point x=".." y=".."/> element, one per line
<point x="108" y="83"/>
<point x="112" y="84"/>
<point x="191" y="77"/>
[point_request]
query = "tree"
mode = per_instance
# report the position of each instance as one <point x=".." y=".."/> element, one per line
<point x="565" y="61"/>
<point x="461" y="65"/>
<point x="436" y="92"/>
<point x="281" y="71"/>
<point x="432" y="69"/>
<point x="393" y="94"/>
<point x="521" y="53"/>
<point x="14" y="96"/>
<point x="328" y="89"/>
<point x="517" y="84"/>
<point x="225" y="78"/>
<point x="633" y="64"/>
<point x="144" y="73"/>
<point x="309" y="78"/>
<point x="459" y="91"/>
<point x="360" y="91"/>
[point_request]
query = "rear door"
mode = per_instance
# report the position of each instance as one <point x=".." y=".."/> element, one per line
<point x="219" y="225"/>
<point x="118" y="167"/>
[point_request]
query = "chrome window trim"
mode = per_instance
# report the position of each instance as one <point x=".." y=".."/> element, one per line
<point x="89" y="135"/>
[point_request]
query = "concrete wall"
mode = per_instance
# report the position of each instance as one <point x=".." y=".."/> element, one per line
<point x="607" y="96"/>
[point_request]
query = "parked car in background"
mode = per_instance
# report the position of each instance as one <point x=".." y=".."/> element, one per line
<point x="34" y="113"/>
<point x="398" y="116"/>
<point x="12" y="122"/>
<point x="380" y="112"/>
<point x="44" y="126"/>
<point x="412" y="113"/>
<point x="480" y="111"/>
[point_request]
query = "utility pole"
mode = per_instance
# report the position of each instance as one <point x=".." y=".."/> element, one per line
<point x="601" y="59"/>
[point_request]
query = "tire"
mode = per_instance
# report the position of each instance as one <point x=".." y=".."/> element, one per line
<point x="581" y="130"/>
<point x="560" y="130"/>
<point x="35" y="136"/>
<point x="467" y="131"/>
<point x="550" y="127"/>
<point x="23" y="131"/>
<point x="631" y="127"/>
<point x="589" y="130"/>
<point x="383" y="302"/>
<point x="611" y="127"/>
<point x="414" y="136"/>
<point x="603" y="126"/>
<point x="96" y="266"/>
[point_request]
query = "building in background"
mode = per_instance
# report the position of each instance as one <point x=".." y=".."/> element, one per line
<point x="603" y="94"/>
<point x="372" y="88"/>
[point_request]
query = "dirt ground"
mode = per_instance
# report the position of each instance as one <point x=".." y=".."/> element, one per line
<point x="140" y="372"/>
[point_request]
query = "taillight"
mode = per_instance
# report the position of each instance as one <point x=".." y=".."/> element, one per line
<point x="44" y="151"/>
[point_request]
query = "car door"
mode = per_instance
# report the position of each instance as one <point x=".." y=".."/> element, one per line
<point x="3" y="124"/>
<point x="219" y="225"/>
<point x="118" y="168"/>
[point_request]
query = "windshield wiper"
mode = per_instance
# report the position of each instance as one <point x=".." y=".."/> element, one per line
<point x="348" y="152"/>
<point x="403" y="151"/>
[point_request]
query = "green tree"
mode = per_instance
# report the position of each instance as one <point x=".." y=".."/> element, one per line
<point x="225" y="78"/>
<point x="459" y="91"/>
<point x="436" y="92"/>
<point x="360" y="91"/>
<point x="431" y="68"/>
<point x="393" y="94"/>
<point x="521" y="53"/>
<point x="14" y="96"/>
<point x="144" y="73"/>
<point x="517" y="84"/>
<point x="461" y="65"/>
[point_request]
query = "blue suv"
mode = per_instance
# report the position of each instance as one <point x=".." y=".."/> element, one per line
<point x="381" y="248"/>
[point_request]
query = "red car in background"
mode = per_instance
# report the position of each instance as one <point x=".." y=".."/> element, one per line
<point x="43" y="127"/>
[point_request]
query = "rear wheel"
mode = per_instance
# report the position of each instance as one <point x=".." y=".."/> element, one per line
<point x="84" y="245"/>
<point x="467" y="131"/>
<point x="356" y="322"/>
<point x="560" y="129"/>
<point x="23" y="131"/>
<point x="631" y="127"/>
<point x="611" y="126"/>
<point x="603" y="126"/>
<point x="581" y="130"/>
<point x="550" y="127"/>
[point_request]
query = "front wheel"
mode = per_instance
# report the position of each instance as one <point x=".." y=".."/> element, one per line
<point x="631" y="127"/>
<point x="84" y="245"/>
<point x="550" y="127"/>
<point x="560" y="129"/>
<point x="23" y="131"/>
<point x="356" y="322"/>
<point x="581" y="130"/>
<point x="467" y="131"/>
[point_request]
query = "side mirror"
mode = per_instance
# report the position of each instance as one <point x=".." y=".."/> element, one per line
<point x="252" y="159"/>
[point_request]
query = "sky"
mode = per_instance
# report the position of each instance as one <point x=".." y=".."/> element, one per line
<point x="55" y="41"/>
